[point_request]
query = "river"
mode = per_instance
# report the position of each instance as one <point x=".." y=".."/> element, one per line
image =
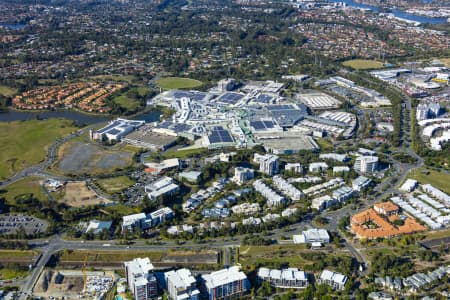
<point x="78" y="117"/>
<point x="395" y="12"/>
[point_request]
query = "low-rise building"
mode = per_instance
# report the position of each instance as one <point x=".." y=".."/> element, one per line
<point x="409" y="185"/>
<point x="161" y="167"/>
<point x="273" y="199"/>
<point x="337" y="281"/>
<point x="322" y="203"/>
<point x="317" y="167"/>
<point x="143" y="222"/>
<point x="163" y="186"/>
<point x="311" y="236"/>
<point x="360" y="183"/>
<point x="225" y="284"/>
<point x="181" y="285"/>
<point x="340" y="169"/>
<point x="286" y="188"/>
<point x="290" y="278"/>
<point x="246" y="209"/>
<point x="96" y="226"/>
<point x="334" y="156"/>
<point x="191" y="176"/>
<point x="294" y="167"/>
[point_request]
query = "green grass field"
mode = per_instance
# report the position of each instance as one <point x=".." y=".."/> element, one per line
<point x="325" y="145"/>
<point x="28" y="185"/>
<point x="128" y="99"/>
<point x="23" y="144"/>
<point x="437" y="179"/>
<point x="115" y="184"/>
<point x="363" y="64"/>
<point x="17" y="254"/>
<point x="184" y="153"/>
<point x="170" y="83"/>
<point x="7" y="273"/>
<point x="7" y="91"/>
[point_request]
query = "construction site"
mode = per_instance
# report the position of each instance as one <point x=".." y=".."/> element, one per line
<point x="73" y="284"/>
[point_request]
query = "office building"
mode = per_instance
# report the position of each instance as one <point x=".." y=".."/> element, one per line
<point x="140" y="278"/>
<point x="290" y="278"/>
<point x="337" y="281"/>
<point x="366" y="164"/>
<point x="242" y="175"/>
<point x="162" y="187"/>
<point x="311" y="236"/>
<point x="268" y="164"/>
<point x="225" y="284"/>
<point x="181" y="285"/>
<point x="142" y="221"/>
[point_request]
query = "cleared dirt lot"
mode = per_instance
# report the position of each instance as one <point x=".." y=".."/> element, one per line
<point x="78" y="157"/>
<point x="78" y="194"/>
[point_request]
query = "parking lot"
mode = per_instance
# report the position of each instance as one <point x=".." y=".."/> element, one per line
<point x="10" y="224"/>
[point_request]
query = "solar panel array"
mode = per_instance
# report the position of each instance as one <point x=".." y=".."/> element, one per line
<point x="262" y="98"/>
<point x="230" y="98"/>
<point x="280" y="107"/>
<point x="219" y="135"/>
<point x="262" y="125"/>
<point x="192" y="95"/>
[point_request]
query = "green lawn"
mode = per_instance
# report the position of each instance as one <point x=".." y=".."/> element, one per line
<point x="129" y="99"/>
<point x="7" y="91"/>
<point x="28" y="185"/>
<point x="184" y="153"/>
<point x="437" y="179"/>
<point x="363" y="64"/>
<point x="170" y="83"/>
<point x="17" y="253"/>
<point x="325" y="145"/>
<point x="23" y="144"/>
<point x="7" y="273"/>
<point x="115" y="184"/>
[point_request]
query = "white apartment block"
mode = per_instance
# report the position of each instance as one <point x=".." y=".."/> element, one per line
<point x="181" y="285"/>
<point x="286" y="188"/>
<point x="337" y="281"/>
<point x="290" y="278"/>
<point x="268" y="164"/>
<point x="366" y="164"/>
<point x="140" y="278"/>
<point x="273" y="199"/>
<point x="294" y="167"/>
<point x="242" y="175"/>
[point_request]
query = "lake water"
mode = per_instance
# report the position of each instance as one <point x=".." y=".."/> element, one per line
<point x="151" y="116"/>
<point x="80" y="118"/>
<point x="395" y="12"/>
<point x="13" y="26"/>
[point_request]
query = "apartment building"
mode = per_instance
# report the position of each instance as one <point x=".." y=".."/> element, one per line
<point x="140" y="278"/>
<point x="225" y="284"/>
<point x="181" y="285"/>
<point x="290" y="278"/>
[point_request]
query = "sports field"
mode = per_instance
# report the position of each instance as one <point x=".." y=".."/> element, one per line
<point x="170" y="83"/>
<point x="363" y="64"/>
<point x="23" y="144"/>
